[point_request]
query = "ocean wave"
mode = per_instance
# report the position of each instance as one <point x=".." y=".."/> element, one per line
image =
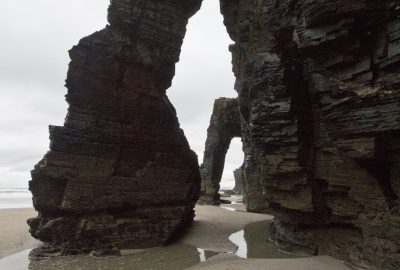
<point x="15" y="193"/>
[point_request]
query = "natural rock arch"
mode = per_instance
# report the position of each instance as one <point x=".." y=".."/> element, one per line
<point x="318" y="93"/>
<point x="224" y="126"/>
<point x="120" y="170"/>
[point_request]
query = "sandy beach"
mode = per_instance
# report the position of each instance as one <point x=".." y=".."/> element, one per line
<point x="205" y="246"/>
<point x="14" y="235"/>
<point x="234" y="263"/>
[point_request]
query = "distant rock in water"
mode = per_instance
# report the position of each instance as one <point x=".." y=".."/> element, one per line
<point x="239" y="180"/>
<point x="318" y="112"/>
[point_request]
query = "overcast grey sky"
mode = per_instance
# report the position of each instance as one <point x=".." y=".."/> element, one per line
<point x="36" y="36"/>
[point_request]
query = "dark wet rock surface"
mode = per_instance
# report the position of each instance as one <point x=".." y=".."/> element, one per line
<point x="319" y="92"/>
<point x="224" y="126"/>
<point x="120" y="169"/>
<point x="319" y="99"/>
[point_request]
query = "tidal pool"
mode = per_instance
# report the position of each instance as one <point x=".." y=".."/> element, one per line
<point x="172" y="257"/>
<point x="253" y="242"/>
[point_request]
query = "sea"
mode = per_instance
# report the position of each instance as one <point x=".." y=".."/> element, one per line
<point x="22" y="197"/>
<point x="15" y="198"/>
<point x="227" y="184"/>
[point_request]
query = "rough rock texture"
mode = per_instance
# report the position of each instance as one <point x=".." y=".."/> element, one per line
<point x="319" y="96"/>
<point x="319" y="106"/>
<point x="120" y="170"/>
<point x="239" y="180"/>
<point x="224" y="126"/>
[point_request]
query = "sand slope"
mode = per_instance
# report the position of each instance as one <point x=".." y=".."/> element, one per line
<point x="14" y="235"/>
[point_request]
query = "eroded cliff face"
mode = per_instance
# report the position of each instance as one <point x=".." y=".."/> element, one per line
<point x="319" y="96"/>
<point x="120" y="170"/>
<point x="224" y="126"/>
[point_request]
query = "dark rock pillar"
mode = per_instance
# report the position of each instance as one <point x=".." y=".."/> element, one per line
<point x="239" y="180"/>
<point x="120" y="170"/>
<point x="319" y="96"/>
<point x="224" y="126"/>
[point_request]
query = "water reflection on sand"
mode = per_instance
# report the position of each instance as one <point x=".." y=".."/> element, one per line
<point x="253" y="242"/>
<point x="173" y="257"/>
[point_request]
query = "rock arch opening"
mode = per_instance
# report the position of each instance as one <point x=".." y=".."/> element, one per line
<point x="232" y="177"/>
<point x="315" y="102"/>
<point x="203" y="73"/>
<point x="224" y="126"/>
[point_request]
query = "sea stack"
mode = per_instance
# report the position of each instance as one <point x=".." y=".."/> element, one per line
<point x="120" y="170"/>
<point x="317" y="110"/>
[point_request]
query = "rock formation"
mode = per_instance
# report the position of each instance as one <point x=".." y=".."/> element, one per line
<point x="319" y="106"/>
<point x="239" y="180"/>
<point x="319" y="97"/>
<point x="120" y="170"/>
<point x="224" y="126"/>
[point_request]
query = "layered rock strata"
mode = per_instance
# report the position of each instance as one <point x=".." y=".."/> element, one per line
<point x="120" y="170"/>
<point x="239" y="180"/>
<point x="319" y="94"/>
<point x="319" y="97"/>
<point x="224" y="126"/>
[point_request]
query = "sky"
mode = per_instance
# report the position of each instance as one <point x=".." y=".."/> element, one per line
<point x="36" y="36"/>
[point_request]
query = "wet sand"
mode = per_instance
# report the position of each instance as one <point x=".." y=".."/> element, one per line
<point x="14" y="235"/>
<point x="233" y="263"/>
<point x="213" y="225"/>
<point x="205" y="246"/>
